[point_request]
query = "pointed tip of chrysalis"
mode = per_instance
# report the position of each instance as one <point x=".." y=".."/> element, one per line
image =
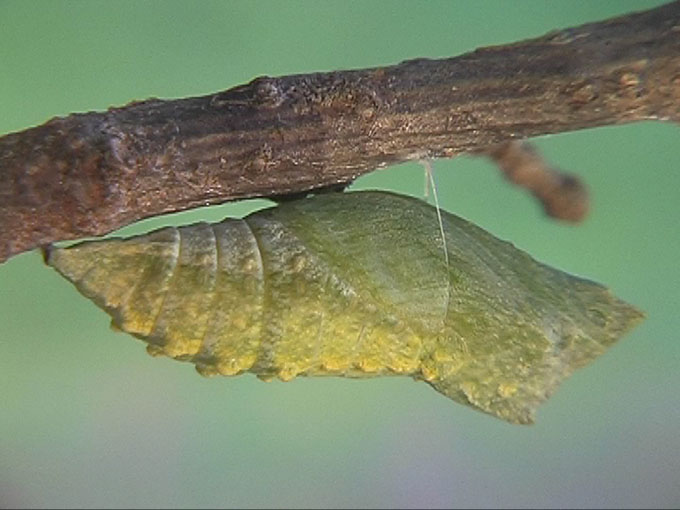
<point x="573" y="338"/>
<point x="46" y="252"/>
<point x="98" y="272"/>
<point x="109" y="272"/>
<point x="613" y="318"/>
<point x="71" y="262"/>
<point x="631" y="317"/>
<point x="96" y="265"/>
<point x="67" y="261"/>
<point x="63" y="261"/>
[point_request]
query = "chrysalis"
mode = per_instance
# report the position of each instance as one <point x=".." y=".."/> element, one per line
<point x="356" y="285"/>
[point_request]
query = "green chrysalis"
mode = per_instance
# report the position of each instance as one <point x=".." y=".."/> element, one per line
<point x="358" y="285"/>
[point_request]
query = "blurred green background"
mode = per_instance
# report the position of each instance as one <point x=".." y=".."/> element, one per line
<point x="88" y="419"/>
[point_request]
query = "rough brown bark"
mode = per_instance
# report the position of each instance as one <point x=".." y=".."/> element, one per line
<point x="88" y="174"/>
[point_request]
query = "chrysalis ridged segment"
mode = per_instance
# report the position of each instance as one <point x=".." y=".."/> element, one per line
<point x="233" y="333"/>
<point x="354" y="284"/>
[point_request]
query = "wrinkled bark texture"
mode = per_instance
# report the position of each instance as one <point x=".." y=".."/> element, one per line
<point x="88" y="174"/>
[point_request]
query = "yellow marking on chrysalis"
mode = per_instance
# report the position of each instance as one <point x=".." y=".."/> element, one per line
<point x="507" y="390"/>
<point x="155" y="350"/>
<point x="428" y="372"/>
<point x="207" y="370"/>
<point x="288" y="372"/>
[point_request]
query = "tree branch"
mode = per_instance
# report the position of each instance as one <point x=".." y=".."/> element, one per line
<point x="88" y="174"/>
